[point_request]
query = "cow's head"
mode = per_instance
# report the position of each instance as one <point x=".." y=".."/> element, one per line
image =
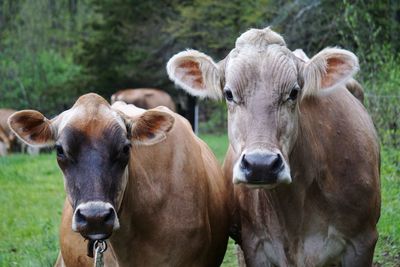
<point x="93" y="145"/>
<point x="263" y="83"/>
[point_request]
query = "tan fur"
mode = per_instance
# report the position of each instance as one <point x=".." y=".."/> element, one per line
<point x="146" y="98"/>
<point x="327" y="216"/>
<point x="355" y="89"/>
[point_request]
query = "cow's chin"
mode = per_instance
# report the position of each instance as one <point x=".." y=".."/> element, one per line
<point x="260" y="185"/>
<point x="96" y="236"/>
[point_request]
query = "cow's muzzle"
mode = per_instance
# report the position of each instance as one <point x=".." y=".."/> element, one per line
<point x="261" y="169"/>
<point x="95" y="220"/>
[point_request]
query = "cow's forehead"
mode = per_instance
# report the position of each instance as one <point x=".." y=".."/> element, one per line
<point x="273" y="64"/>
<point x="90" y="118"/>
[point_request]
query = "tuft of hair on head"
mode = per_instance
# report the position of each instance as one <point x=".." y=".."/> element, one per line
<point x="259" y="38"/>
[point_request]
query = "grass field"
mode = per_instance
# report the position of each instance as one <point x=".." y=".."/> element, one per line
<point x="31" y="196"/>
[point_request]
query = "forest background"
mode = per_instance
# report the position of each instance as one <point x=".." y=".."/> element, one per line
<point x="52" y="51"/>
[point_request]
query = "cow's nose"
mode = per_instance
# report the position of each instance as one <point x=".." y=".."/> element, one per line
<point x="261" y="168"/>
<point x="94" y="222"/>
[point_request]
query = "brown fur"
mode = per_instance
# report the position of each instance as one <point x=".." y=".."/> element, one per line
<point x="355" y="89"/>
<point x="146" y="98"/>
<point x="6" y="135"/>
<point x="171" y="198"/>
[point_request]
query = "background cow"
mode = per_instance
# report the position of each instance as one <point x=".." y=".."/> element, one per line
<point x="4" y="142"/>
<point x="140" y="178"/>
<point x="6" y="135"/>
<point x="303" y="151"/>
<point x="146" y="98"/>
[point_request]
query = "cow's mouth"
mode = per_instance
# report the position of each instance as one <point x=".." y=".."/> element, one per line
<point x="96" y="236"/>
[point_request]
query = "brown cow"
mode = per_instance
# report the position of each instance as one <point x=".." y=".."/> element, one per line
<point x="303" y="152"/>
<point x="4" y="142"/>
<point x="352" y="85"/>
<point x="139" y="178"/>
<point x="6" y="135"/>
<point x="146" y="98"/>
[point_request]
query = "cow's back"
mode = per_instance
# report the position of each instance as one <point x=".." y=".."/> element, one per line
<point x="146" y="98"/>
<point x="346" y="154"/>
<point x="191" y="201"/>
<point x="355" y="89"/>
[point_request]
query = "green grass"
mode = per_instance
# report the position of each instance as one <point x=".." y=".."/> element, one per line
<point x="387" y="252"/>
<point x="31" y="197"/>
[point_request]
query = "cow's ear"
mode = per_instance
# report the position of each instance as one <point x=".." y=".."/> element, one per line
<point x="196" y="73"/>
<point x="32" y="127"/>
<point x="151" y="127"/>
<point x="329" y="69"/>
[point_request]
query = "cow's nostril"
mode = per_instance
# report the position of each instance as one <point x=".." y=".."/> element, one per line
<point x="109" y="216"/>
<point x="245" y="164"/>
<point x="276" y="163"/>
<point x="79" y="217"/>
<point x="95" y="220"/>
<point x="261" y="167"/>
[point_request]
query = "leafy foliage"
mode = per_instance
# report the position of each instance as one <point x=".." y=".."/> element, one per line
<point x="53" y="51"/>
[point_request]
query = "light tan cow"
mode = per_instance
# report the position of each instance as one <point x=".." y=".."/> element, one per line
<point x="146" y="98"/>
<point x="303" y="153"/>
<point x="352" y="85"/>
<point x="139" y="178"/>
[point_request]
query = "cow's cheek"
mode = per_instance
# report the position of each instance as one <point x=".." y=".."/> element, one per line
<point x="287" y="130"/>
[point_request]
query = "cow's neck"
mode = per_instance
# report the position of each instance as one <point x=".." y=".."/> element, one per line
<point x="307" y="166"/>
<point x="294" y="209"/>
<point x="144" y="198"/>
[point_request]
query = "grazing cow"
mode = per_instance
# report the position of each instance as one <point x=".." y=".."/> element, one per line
<point x="303" y="152"/>
<point x="352" y="85"/>
<point x="146" y="98"/>
<point x="139" y="178"/>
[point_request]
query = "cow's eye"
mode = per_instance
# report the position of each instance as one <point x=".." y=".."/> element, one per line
<point x="294" y="93"/>
<point x="126" y="148"/>
<point x="59" y="150"/>
<point x="228" y="94"/>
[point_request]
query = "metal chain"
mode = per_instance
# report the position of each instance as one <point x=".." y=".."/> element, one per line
<point x="99" y="248"/>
